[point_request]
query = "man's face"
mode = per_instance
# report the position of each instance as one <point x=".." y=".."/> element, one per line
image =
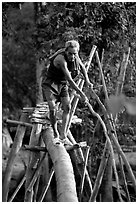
<point x="71" y="53"/>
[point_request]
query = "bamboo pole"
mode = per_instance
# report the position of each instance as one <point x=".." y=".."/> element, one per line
<point x="46" y="187"/>
<point x="112" y="134"/>
<point x="121" y="78"/>
<point x="13" y="153"/>
<point x="36" y="173"/>
<point x="17" y="189"/>
<point x="120" y="82"/>
<point x="44" y="179"/>
<point x="34" y="148"/>
<point x="66" y="186"/>
<point x="106" y="190"/>
<point x="106" y="96"/>
<point x="117" y="182"/>
<point x="102" y="76"/>
<point x="80" y="83"/>
<point x="36" y="186"/>
<point x="110" y="129"/>
<point x="84" y="172"/>
<point x="112" y="126"/>
<point x="100" y="173"/>
<point x="18" y="123"/>
<point x="124" y="178"/>
<point x="33" y="161"/>
<point x="109" y="142"/>
<point x="78" y="164"/>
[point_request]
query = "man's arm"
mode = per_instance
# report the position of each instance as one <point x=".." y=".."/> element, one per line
<point x="62" y="64"/>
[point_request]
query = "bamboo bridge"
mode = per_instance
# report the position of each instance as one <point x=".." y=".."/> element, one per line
<point x="67" y="163"/>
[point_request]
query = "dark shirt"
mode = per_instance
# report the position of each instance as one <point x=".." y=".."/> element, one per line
<point x="56" y="75"/>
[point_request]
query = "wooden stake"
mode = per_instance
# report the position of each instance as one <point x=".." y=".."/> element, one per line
<point x="100" y="173"/>
<point x="17" y="189"/>
<point x="35" y="140"/>
<point x="46" y="187"/>
<point x="36" y="173"/>
<point x="84" y="172"/>
<point x="13" y="153"/>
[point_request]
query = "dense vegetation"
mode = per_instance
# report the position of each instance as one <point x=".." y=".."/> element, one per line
<point x="31" y="32"/>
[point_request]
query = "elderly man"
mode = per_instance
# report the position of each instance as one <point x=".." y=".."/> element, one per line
<point x="64" y="66"/>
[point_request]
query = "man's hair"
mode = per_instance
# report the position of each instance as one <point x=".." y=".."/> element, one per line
<point x="72" y="44"/>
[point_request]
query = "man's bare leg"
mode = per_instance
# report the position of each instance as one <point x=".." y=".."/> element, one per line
<point x="53" y="119"/>
<point x="65" y="117"/>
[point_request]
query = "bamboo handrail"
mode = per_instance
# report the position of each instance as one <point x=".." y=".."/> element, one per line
<point x="81" y="83"/>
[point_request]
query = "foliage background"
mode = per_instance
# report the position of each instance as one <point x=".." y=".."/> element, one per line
<point x="33" y="31"/>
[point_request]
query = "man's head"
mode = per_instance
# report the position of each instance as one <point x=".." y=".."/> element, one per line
<point x="72" y="48"/>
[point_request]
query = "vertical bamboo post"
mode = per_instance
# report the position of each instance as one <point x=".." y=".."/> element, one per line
<point x="45" y="174"/>
<point x="114" y="138"/>
<point x="119" y="88"/>
<point x="79" y="164"/>
<point x="100" y="173"/>
<point x="33" y="160"/>
<point x="121" y="78"/>
<point x="84" y="171"/>
<point x="109" y="142"/>
<point x="45" y="189"/>
<point x="106" y="190"/>
<point x="13" y="153"/>
<point x="112" y="127"/>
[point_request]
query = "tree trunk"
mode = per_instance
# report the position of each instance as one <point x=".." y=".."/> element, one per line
<point x="66" y="186"/>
